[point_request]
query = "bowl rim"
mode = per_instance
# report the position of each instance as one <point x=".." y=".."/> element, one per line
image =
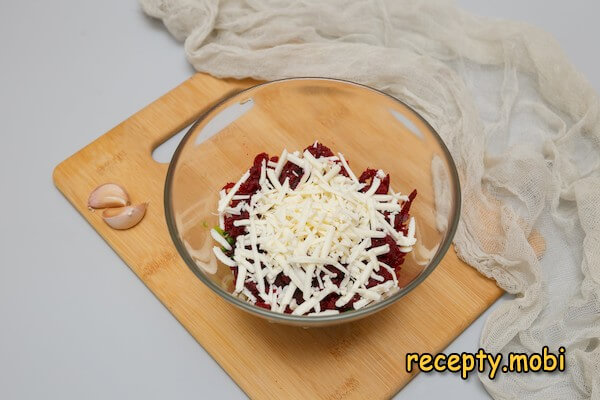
<point x="306" y="319"/>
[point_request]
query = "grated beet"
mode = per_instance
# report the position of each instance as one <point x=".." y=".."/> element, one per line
<point x="343" y="170"/>
<point x="328" y="303"/>
<point x="252" y="184"/>
<point x="394" y="258"/>
<point x="293" y="172"/>
<point x="282" y="280"/>
<point x="298" y="297"/>
<point x="403" y="216"/>
<point x="382" y="272"/>
<point x="319" y="150"/>
<point x="235" y="231"/>
<point x="262" y="304"/>
<point x="367" y="177"/>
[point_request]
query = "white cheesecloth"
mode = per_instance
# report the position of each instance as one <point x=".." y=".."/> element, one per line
<point x="521" y="122"/>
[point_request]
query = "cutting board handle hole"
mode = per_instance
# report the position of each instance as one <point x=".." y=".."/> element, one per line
<point x="164" y="151"/>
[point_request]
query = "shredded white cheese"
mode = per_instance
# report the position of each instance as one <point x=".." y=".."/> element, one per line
<point x="324" y="222"/>
<point x="220" y="239"/>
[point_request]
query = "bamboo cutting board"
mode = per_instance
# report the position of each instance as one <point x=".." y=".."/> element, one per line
<point x="363" y="359"/>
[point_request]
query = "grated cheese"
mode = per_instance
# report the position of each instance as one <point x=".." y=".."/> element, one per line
<point x="220" y="239"/>
<point x="324" y="221"/>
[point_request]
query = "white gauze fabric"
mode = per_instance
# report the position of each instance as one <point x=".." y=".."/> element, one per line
<point x="522" y="124"/>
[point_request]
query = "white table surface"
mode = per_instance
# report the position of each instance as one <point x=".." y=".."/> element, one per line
<point x="75" y="322"/>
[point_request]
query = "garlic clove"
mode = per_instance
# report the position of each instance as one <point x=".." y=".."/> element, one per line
<point x="124" y="217"/>
<point x="108" y="195"/>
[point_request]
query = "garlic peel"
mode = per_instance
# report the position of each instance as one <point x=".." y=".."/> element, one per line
<point x="124" y="217"/>
<point x="108" y="195"/>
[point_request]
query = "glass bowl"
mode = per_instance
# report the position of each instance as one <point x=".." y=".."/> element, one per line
<point x="369" y="127"/>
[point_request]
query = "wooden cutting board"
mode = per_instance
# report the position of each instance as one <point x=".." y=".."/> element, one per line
<point x="363" y="359"/>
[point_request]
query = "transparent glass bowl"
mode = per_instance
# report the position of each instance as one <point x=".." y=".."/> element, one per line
<point x="369" y="127"/>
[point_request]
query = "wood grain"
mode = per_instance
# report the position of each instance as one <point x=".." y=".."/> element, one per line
<point x="363" y="359"/>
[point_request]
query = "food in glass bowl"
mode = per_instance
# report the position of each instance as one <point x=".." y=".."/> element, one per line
<point x="303" y="235"/>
